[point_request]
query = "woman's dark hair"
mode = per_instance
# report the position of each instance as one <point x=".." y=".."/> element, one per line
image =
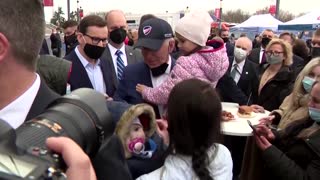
<point x="194" y="115"/>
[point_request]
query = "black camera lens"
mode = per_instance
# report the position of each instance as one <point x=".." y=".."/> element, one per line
<point x="82" y="116"/>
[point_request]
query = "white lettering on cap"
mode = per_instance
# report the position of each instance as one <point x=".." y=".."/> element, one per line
<point x="147" y="30"/>
<point x="169" y="35"/>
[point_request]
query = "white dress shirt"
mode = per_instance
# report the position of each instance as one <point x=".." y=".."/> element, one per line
<point x="261" y="54"/>
<point x="94" y="73"/>
<point x="123" y="55"/>
<point x="239" y="70"/>
<point x="16" y="112"/>
<point x="157" y="81"/>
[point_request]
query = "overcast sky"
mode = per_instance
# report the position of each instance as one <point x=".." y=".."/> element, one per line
<point x="161" y="6"/>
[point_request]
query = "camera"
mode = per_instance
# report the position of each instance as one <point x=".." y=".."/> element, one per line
<point x="82" y="116"/>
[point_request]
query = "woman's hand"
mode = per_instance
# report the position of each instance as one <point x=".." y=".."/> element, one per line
<point x="140" y="88"/>
<point x="262" y="142"/>
<point x="266" y="120"/>
<point x="263" y="130"/>
<point x="263" y="136"/>
<point x="162" y="130"/>
<point x="257" y="108"/>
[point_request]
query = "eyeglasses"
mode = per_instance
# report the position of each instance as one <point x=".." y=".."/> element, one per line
<point x="275" y="53"/>
<point x="96" y="40"/>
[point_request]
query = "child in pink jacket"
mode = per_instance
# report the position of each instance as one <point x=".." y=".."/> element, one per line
<point x="200" y="59"/>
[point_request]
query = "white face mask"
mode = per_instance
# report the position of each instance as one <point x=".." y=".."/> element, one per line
<point x="239" y="54"/>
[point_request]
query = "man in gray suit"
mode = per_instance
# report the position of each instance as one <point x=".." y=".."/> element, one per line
<point x="117" y="53"/>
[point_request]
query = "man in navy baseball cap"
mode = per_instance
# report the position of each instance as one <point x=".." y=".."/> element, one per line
<point x="152" y="33"/>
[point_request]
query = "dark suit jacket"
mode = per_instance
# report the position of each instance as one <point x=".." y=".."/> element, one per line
<point x="254" y="56"/>
<point x="249" y="80"/>
<point x="44" y="97"/>
<point x="133" y="56"/>
<point x="230" y="49"/>
<point x="78" y="77"/>
<point x="297" y="65"/>
<point x="229" y="91"/>
<point x="134" y="74"/>
<point x="44" y="48"/>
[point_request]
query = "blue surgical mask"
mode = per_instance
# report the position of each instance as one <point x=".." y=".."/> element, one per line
<point x="307" y="83"/>
<point x="314" y="114"/>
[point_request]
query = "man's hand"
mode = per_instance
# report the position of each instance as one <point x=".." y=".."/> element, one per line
<point x="78" y="163"/>
<point x="257" y="108"/>
<point x="162" y="130"/>
<point x="140" y="88"/>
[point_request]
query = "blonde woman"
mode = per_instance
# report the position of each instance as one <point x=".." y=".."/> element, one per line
<point x="295" y="106"/>
<point x="276" y="78"/>
<point x="276" y="82"/>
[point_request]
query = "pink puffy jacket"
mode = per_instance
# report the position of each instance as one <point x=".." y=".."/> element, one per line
<point x="207" y="65"/>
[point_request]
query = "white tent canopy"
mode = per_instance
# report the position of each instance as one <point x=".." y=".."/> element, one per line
<point x="258" y="23"/>
<point x="310" y="21"/>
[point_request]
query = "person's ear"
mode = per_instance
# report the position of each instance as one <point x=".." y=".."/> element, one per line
<point x="172" y="45"/>
<point x="80" y="38"/>
<point x="4" y="47"/>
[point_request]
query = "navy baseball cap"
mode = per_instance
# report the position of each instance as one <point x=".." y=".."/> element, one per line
<point x="152" y="33"/>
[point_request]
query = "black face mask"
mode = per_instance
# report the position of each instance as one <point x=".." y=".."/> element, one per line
<point x="118" y="35"/>
<point x="92" y="51"/>
<point x="315" y="52"/>
<point x="159" y="70"/>
<point x="226" y="39"/>
<point x="70" y="39"/>
<point x="265" y="41"/>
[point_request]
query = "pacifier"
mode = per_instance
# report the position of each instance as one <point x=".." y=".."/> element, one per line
<point x="136" y="145"/>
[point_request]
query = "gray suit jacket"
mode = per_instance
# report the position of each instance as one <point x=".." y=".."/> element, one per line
<point x="133" y="56"/>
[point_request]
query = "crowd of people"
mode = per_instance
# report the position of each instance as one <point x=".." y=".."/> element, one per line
<point x="164" y="89"/>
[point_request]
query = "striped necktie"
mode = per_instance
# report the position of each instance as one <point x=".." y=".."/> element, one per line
<point x="120" y="64"/>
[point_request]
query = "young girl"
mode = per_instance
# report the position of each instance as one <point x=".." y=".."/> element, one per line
<point x="193" y="133"/>
<point x="208" y="63"/>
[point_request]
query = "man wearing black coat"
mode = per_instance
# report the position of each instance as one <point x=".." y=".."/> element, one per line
<point x="224" y="34"/>
<point x="23" y="95"/>
<point x="55" y="43"/>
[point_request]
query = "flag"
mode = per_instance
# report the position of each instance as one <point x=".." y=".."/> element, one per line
<point x="217" y="13"/>
<point x="48" y="2"/>
<point x="272" y="9"/>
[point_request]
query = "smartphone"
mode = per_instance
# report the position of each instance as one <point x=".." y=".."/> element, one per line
<point x="252" y="127"/>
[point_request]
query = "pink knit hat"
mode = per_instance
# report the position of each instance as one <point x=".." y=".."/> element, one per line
<point x="195" y="26"/>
